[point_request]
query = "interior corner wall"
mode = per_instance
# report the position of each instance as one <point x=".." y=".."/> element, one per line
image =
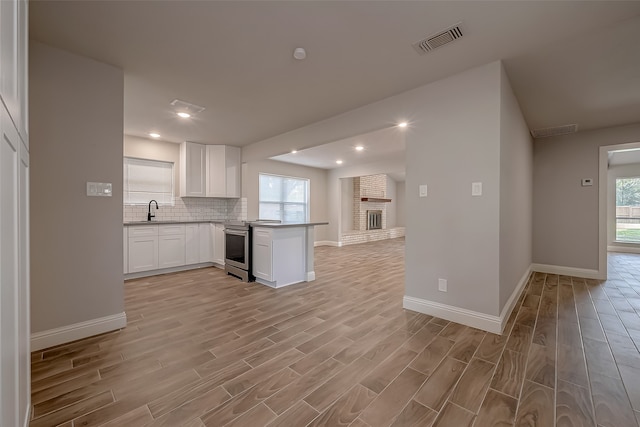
<point x="76" y="119"/>
<point x="346" y="201"/>
<point x="516" y="193"/>
<point x="317" y="188"/>
<point x="450" y="233"/>
<point x="392" y="194"/>
<point x="565" y="214"/>
<point x="153" y="149"/>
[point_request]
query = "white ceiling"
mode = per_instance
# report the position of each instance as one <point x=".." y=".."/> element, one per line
<point x="569" y="62"/>
<point x="378" y="145"/>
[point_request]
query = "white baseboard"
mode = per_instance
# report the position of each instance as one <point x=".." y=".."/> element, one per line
<point x="327" y="243"/>
<point x="624" y="249"/>
<point x="65" y="334"/>
<point x="148" y="273"/>
<point x="311" y="276"/>
<point x="511" y="302"/>
<point x="454" y="314"/>
<point x="475" y="319"/>
<point x="567" y="271"/>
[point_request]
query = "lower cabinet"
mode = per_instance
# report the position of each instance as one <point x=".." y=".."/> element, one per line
<point x="143" y="253"/>
<point x="262" y="260"/>
<point x="279" y="255"/>
<point x="218" y="243"/>
<point x="154" y="247"/>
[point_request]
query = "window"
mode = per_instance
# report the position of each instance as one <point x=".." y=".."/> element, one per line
<point x="146" y="180"/>
<point x="628" y="210"/>
<point x="284" y="198"/>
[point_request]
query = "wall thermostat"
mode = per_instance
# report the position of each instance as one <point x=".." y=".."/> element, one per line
<point x="587" y="182"/>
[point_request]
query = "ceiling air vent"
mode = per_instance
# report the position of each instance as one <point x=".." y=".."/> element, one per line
<point x="438" y="39"/>
<point x="554" y="131"/>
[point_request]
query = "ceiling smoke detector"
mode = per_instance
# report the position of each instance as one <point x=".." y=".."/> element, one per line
<point x="438" y="39"/>
<point x="554" y="131"/>
<point x="299" y="53"/>
<point x="185" y="109"/>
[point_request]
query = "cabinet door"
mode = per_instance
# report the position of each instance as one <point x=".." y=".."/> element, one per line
<point x="143" y="253"/>
<point x="206" y="232"/>
<point x="125" y="249"/>
<point x="171" y="251"/>
<point x="192" y="244"/>
<point x="218" y="239"/>
<point x="216" y="175"/>
<point x="192" y="170"/>
<point x="233" y="171"/>
<point x="262" y="256"/>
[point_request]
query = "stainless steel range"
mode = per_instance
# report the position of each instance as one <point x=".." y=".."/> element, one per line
<point x="237" y="245"/>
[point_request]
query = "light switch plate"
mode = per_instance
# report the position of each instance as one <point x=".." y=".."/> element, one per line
<point x="442" y="285"/>
<point x="423" y="190"/>
<point x="99" y="189"/>
<point x="476" y="189"/>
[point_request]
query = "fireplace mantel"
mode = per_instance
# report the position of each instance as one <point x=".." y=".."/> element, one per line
<point x="375" y="199"/>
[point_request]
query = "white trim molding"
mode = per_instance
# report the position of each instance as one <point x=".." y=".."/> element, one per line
<point x="568" y="271"/>
<point x="327" y="243"/>
<point x="625" y="249"/>
<point x="77" y="331"/>
<point x="471" y="318"/>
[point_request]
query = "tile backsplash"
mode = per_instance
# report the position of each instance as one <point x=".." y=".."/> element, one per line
<point x="191" y="209"/>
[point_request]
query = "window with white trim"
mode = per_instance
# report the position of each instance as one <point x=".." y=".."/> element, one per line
<point x="146" y="180"/>
<point x="284" y="198"/>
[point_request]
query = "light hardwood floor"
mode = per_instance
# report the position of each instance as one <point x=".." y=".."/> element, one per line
<point x="202" y="348"/>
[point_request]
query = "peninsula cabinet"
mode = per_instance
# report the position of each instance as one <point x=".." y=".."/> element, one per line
<point x="210" y="170"/>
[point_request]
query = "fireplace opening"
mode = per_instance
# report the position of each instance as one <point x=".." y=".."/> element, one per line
<point x="374" y="220"/>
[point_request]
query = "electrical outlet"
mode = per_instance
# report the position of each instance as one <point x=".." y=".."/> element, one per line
<point x="476" y="189"/>
<point x="442" y="285"/>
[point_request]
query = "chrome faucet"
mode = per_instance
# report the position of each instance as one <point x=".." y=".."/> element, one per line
<point x="149" y="216"/>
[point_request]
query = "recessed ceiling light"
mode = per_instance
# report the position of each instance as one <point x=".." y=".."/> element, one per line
<point x="184" y="115"/>
<point x="359" y="148"/>
<point x="339" y="162"/>
<point x="294" y="151"/>
<point x="402" y="124"/>
<point x="154" y="135"/>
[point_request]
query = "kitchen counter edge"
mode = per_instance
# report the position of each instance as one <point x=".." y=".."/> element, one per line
<point x="173" y="222"/>
<point x="285" y="225"/>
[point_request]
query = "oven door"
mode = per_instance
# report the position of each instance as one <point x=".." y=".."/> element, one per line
<point x="236" y="246"/>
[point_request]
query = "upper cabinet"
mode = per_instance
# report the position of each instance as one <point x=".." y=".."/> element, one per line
<point x="209" y="170"/>
<point x="13" y="60"/>
<point x="223" y="171"/>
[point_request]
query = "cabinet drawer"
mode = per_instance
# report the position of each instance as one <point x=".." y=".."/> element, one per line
<point x="144" y="230"/>
<point x="262" y="236"/>
<point x="170" y="230"/>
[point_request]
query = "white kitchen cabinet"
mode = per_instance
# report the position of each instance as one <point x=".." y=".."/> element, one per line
<point x="192" y="243"/>
<point x="193" y="166"/>
<point x="218" y="243"/>
<point x="171" y="246"/>
<point x="223" y="171"/>
<point x="279" y="255"/>
<point x="206" y="233"/>
<point x="262" y="260"/>
<point x="143" y="249"/>
<point x="125" y="249"/>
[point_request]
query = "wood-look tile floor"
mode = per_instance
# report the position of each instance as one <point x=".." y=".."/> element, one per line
<point x="202" y="348"/>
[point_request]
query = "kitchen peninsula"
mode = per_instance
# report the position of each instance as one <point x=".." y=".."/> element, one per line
<point x="283" y="253"/>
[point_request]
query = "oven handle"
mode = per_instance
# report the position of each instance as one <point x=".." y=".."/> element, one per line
<point x="236" y="232"/>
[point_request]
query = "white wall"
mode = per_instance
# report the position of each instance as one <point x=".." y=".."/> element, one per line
<point x="346" y="201"/>
<point x="565" y="214"/>
<point x="401" y="189"/>
<point x="317" y="188"/>
<point x="76" y="110"/>
<point x="516" y="192"/>
<point x="392" y="216"/>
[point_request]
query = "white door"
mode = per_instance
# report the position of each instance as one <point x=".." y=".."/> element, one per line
<point x="218" y="250"/>
<point x="9" y="272"/>
<point x="171" y="251"/>
<point x="205" y="231"/>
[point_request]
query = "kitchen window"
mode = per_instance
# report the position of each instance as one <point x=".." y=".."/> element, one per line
<point x="284" y="198"/>
<point x="146" y="180"/>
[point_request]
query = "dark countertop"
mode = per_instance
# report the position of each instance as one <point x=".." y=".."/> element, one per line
<point x="215" y="221"/>
<point x="286" y="224"/>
